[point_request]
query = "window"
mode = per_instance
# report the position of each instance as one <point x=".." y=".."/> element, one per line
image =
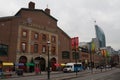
<point x="24" y="33"/>
<point x="53" y="39"/>
<point x="23" y="47"/>
<point x="43" y="48"/>
<point x="44" y="38"/>
<point x="3" y="49"/>
<point x="75" y="55"/>
<point x="36" y="36"/>
<point x="53" y="50"/>
<point x="36" y="48"/>
<point x="65" y="55"/>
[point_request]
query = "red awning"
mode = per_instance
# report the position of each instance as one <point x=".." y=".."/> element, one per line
<point x="56" y="64"/>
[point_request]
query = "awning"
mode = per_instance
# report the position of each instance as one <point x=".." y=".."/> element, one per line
<point x="56" y="64"/>
<point x="19" y="64"/>
<point x="62" y="64"/>
<point x="8" y="64"/>
<point x="30" y="64"/>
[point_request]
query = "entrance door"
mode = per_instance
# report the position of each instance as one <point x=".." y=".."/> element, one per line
<point x="23" y="59"/>
<point x="41" y="63"/>
<point x="53" y="62"/>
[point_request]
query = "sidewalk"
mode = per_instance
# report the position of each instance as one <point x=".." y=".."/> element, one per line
<point x="57" y="72"/>
<point x="34" y="74"/>
<point x="6" y="75"/>
<point x="80" y="74"/>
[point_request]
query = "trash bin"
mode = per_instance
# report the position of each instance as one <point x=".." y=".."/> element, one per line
<point x="19" y="72"/>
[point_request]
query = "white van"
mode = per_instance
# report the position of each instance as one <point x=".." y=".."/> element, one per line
<point x="73" y="67"/>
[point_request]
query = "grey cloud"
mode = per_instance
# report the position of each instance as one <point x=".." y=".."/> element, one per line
<point x="76" y="17"/>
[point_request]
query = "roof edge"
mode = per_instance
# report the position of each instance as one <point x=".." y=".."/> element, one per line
<point x="27" y="9"/>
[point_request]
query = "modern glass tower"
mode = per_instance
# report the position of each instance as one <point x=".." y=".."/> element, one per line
<point x="100" y="36"/>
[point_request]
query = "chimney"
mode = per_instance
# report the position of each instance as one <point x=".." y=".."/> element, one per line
<point x="31" y="5"/>
<point x="47" y="11"/>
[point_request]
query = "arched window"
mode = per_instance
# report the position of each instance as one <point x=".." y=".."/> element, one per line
<point x="23" y="47"/>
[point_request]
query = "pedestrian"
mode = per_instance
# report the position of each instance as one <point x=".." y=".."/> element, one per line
<point x="88" y="68"/>
<point x="40" y="71"/>
<point x="37" y="70"/>
<point x="50" y="69"/>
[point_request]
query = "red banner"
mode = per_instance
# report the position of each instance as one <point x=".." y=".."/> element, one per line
<point x="75" y="42"/>
<point x="72" y="42"/>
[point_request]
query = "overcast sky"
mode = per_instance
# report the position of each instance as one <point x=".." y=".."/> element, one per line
<point x="76" y="17"/>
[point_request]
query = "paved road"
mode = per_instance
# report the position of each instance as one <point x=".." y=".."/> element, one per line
<point x="106" y="75"/>
<point x="84" y="75"/>
<point x="113" y="76"/>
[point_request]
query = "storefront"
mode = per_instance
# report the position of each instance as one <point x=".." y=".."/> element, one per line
<point x="7" y="66"/>
<point x="30" y="66"/>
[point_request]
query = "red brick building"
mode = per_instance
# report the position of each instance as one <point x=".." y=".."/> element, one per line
<point x="25" y="37"/>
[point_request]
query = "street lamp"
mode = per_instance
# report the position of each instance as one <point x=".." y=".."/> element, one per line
<point x="76" y="61"/>
<point x="75" y="47"/>
<point x="90" y="57"/>
<point x="75" y="55"/>
<point x="48" y="70"/>
<point x="40" y="64"/>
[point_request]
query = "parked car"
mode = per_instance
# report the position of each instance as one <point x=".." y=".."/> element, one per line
<point x="108" y="66"/>
<point x="99" y="67"/>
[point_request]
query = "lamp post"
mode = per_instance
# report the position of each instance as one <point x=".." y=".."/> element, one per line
<point x="40" y="64"/>
<point x="75" y="42"/>
<point x="48" y="70"/>
<point x="76" y="61"/>
<point x="75" y="54"/>
<point x="90" y="57"/>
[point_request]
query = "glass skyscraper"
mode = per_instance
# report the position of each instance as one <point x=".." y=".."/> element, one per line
<point x="100" y="36"/>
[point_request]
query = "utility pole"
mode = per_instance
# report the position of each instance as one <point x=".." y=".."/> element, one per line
<point x="48" y="61"/>
<point x="90" y="57"/>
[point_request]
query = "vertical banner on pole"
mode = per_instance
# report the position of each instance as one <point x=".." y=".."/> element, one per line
<point x="93" y="47"/>
<point x="75" y="43"/>
<point x="72" y="42"/>
<point x="103" y="52"/>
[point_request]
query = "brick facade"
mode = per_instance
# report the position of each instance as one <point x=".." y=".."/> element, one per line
<point x="19" y="31"/>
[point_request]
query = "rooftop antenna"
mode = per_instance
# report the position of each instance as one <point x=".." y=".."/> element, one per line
<point x="93" y="19"/>
<point x="47" y="5"/>
<point x="95" y="22"/>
